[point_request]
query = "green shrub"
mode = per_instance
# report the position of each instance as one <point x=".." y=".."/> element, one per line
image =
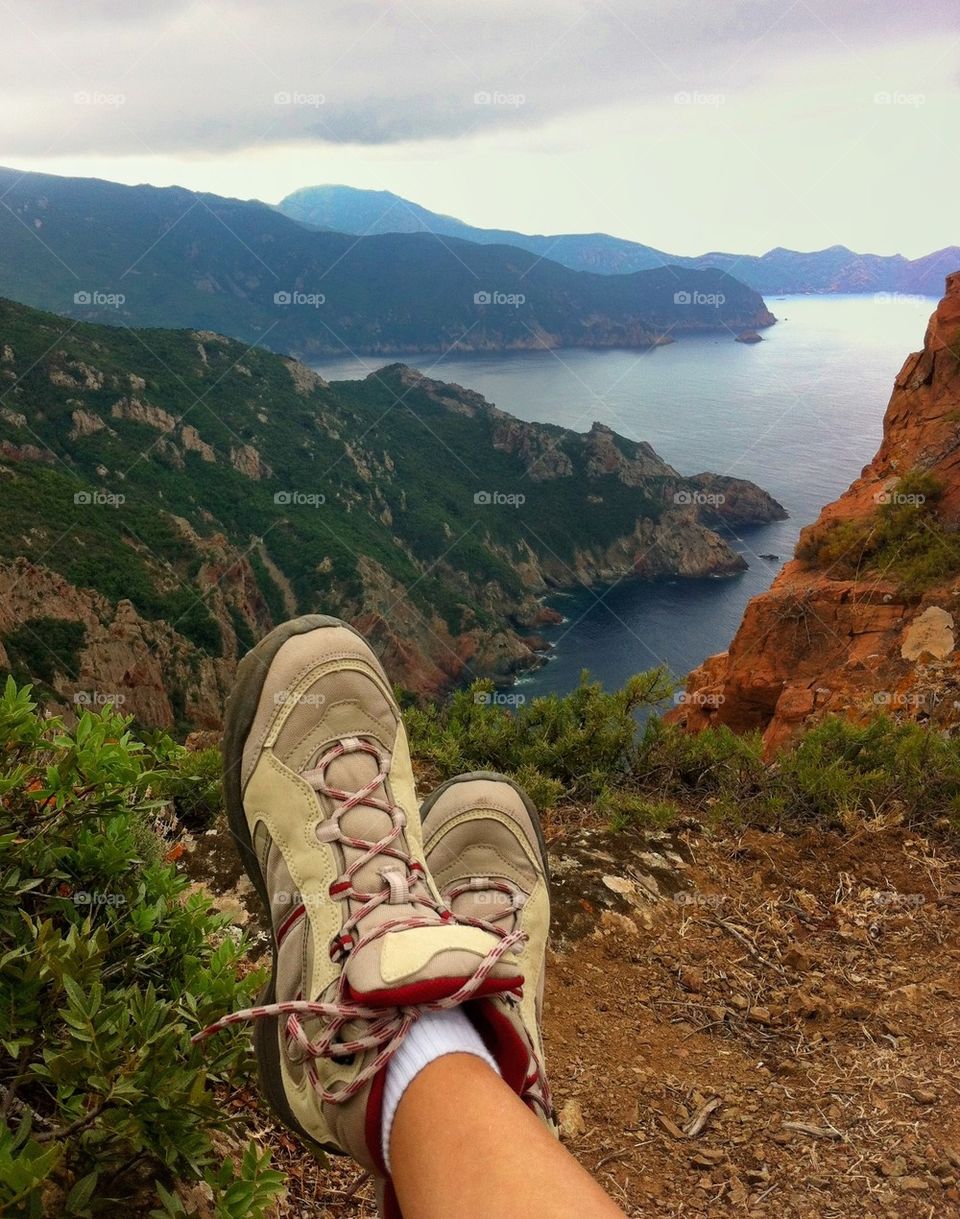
<point x="192" y="780"/>
<point x="578" y="745"/>
<point x="107" y="966"/>
<point x="715" y="764"/>
<point x="836" y="768"/>
<point x="583" y="748"/>
<point x="626" y="809"/>
<point x="840" y="767"/>
<point x="904" y="540"/>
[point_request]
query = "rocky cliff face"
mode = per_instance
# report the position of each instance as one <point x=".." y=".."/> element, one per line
<point x="836" y="633"/>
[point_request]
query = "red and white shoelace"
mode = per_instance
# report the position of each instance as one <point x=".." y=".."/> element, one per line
<point x="404" y="884"/>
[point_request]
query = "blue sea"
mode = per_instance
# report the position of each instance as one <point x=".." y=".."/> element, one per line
<point x="799" y="413"/>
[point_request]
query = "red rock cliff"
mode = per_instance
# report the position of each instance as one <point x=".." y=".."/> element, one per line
<point x="815" y="643"/>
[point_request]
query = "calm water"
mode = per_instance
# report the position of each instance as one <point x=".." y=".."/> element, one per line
<point x="800" y="414"/>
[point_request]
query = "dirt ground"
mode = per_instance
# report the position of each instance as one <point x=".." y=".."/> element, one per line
<point x="777" y="1033"/>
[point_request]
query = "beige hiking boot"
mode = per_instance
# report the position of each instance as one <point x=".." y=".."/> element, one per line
<point x="486" y="853"/>
<point x="321" y="802"/>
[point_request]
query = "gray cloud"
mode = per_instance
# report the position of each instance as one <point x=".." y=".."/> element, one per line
<point x="111" y="77"/>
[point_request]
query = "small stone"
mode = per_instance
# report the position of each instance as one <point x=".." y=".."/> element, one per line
<point x="620" y="885"/>
<point x="619" y="924"/>
<point x="797" y="958"/>
<point x="707" y="1157"/>
<point x="572" y="1122"/>
<point x="913" y="1184"/>
<point x="691" y="978"/>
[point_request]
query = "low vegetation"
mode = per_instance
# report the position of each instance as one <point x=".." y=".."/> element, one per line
<point x="586" y="748"/>
<point x="903" y="541"/>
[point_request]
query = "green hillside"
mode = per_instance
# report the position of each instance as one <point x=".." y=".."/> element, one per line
<point x="219" y="488"/>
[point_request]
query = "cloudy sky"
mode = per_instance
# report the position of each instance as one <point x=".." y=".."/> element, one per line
<point x="687" y="124"/>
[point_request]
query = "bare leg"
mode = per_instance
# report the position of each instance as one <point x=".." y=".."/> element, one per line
<point x="464" y="1144"/>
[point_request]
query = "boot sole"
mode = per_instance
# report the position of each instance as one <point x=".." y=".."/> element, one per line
<point x="240" y="713"/>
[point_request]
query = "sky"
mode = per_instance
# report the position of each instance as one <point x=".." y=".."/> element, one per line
<point x="689" y="125"/>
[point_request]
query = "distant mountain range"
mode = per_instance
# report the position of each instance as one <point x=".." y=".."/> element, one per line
<point x="167" y="496"/>
<point x="146" y="256"/>
<point x="837" y="269"/>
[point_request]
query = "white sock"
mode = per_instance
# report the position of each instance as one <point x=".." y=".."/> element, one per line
<point x="433" y="1035"/>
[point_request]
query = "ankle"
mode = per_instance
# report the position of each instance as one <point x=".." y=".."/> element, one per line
<point x="434" y="1035"/>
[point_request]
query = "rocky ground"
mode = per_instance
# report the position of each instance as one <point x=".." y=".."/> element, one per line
<point x="736" y="1023"/>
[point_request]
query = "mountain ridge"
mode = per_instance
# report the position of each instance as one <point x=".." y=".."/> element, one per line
<point x="167" y="257"/>
<point x="778" y="271"/>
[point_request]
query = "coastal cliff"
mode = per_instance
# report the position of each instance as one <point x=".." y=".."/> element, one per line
<point x="864" y="617"/>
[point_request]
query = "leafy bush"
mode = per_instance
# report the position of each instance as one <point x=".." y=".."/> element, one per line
<point x="713" y="765"/>
<point x="580" y="745"/>
<point x="107" y="965"/>
<point x="840" y="767"/>
<point x="191" y="780"/>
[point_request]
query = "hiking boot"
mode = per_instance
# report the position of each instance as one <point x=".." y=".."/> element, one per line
<point x="321" y="802"/>
<point x="486" y="853"/>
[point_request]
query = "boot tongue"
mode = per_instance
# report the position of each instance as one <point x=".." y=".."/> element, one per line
<point x="491" y="905"/>
<point x="350" y="773"/>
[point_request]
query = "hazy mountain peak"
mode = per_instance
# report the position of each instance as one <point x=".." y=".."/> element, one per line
<point x="780" y="270"/>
